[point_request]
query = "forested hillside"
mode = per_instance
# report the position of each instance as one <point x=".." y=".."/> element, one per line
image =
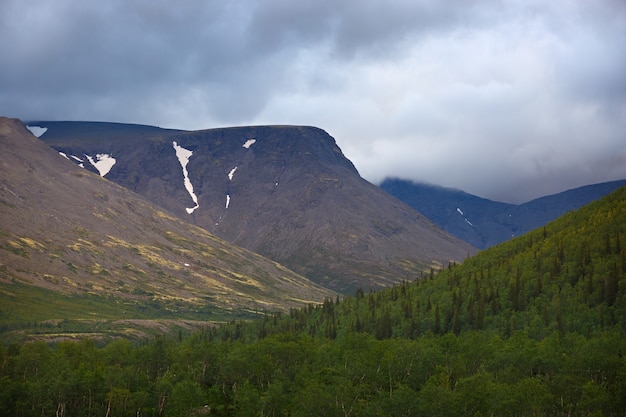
<point x="534" y="326"/>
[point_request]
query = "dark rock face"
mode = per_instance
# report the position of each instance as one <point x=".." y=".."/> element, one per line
<point x="286" y="192"/>
<point x="484" y="223"/>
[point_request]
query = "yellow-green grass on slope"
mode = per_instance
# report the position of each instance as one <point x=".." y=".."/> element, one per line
<point x="28" y="313"/>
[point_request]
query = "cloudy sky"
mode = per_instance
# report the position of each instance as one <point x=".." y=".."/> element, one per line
<point x="509" y="100"/>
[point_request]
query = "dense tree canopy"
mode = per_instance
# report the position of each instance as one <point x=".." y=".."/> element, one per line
<point x="474" y="373"/>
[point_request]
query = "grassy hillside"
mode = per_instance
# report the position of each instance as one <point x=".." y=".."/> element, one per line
<point x="534" y="326"/>
<point x="29" y="313"/>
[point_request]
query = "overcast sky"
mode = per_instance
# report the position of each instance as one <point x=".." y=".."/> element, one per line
<point x="508" y="100"/>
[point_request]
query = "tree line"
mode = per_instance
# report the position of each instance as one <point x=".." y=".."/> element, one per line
<point x="473" y="373"/>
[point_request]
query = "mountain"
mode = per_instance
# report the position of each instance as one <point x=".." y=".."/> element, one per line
<point x="285" y="192"/>
<point x="484" y="223"/>
<point x="68" y="232"/>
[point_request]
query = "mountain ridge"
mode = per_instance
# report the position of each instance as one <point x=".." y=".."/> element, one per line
<point x="286" y="192"/>
<point x="483" y="222"/>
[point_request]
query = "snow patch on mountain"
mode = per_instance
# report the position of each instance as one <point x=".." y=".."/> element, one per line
<point x="463" y="215"/>
<point x="249" y="143"/>
<point x="183" y="156"/>
<point x="37" y="130"/>
<point x="77" y="159"/>
<point x="227" y="200"/>
<point x="231" y="173"/>
<point x="103" y="163"/>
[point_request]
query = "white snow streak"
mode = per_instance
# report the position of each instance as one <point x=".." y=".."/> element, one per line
<point x="103" y="163"/>
<point x="248" y="143"/>
<point x="64" y="155"/>
<point x="231" y="173"/>
<point x="227" y="200"/>
<point x="37" y="130"/>
<point x="464" y="218"/>
<point x="183" y="156"/>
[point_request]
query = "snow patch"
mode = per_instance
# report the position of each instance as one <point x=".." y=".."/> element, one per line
<point x="249" y="143"/>
<point x="37" y="130"/>
<point x="76" y="158"/>
<point x="183" y="156"/>
<point x="227" y="200"/>
<point x="103" y="163"/>
<point x="231" y="173"/>
<point x="464" y="218"/>
<point x="64" y="155"/>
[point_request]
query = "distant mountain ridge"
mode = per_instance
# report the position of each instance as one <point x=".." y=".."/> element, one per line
<point x="285" y="192"/>
<point x="484" y="223"/>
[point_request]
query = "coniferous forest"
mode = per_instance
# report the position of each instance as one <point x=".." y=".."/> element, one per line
<point x="532" y="327"/>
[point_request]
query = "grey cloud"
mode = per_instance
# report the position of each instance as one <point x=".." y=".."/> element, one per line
<point x="505" y="99"/>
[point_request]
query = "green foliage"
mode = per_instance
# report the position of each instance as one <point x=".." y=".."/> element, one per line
<point x="535" y="326"/>
<point x="474" y="373"/>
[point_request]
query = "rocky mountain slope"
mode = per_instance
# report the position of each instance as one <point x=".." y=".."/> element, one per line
<point x="286" y="192"/>
<point x="484" y="223"/>
<point x="69" y="230"/>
